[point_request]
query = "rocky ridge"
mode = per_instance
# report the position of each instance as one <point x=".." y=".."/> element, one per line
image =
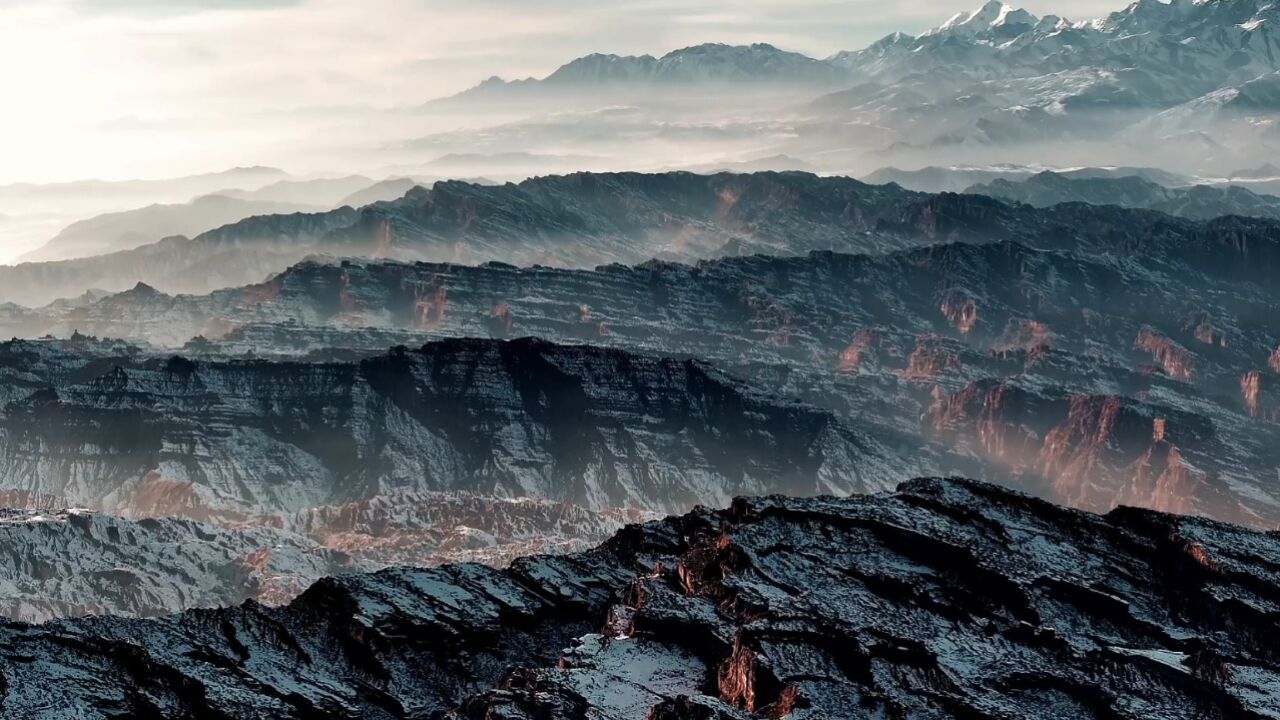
<point x="260" y="441"/>
<point x="1172" y="324"/>
<point x="962" y="599"/>
<point x="70" y="563"/>
<point x="587" y="219"/>
<point x="1199" y="202"/>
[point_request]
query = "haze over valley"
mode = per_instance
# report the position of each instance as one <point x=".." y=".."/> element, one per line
<point x="547" y="360"/>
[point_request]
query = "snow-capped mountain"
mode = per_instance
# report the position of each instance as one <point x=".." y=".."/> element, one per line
<point x="1121" y="88"/>
<point x="1185" y="47"/>
<point x="999" y="75"/>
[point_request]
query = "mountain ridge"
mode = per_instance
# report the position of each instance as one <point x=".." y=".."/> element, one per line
<point x="758" y="609"/>
<point x="587" y="219"/>
<point x="1197" y="202"/>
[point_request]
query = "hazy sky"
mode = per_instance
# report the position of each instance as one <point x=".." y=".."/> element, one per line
<point x="129" y="88"/>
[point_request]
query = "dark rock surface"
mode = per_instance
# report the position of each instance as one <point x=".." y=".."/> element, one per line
<point x="946" y="599"/>
<point x="586" y="219"/>
<point x="259" y="441"/>
<point x="1176" y="323"/>
<point x="71" y="563"/>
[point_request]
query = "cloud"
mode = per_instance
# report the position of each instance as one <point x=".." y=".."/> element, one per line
<point x="215" y="82"/>
<point x="176" y="7"/>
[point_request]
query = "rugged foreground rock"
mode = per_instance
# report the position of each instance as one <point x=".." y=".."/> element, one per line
<point x="70" y="563"/>
<point x="73" y="563"/>
<point x="948" y="599"/>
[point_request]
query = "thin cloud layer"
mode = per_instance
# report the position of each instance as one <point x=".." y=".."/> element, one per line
<point x="143" y="87"/>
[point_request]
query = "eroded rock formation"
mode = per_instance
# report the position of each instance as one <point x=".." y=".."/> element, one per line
<point x="945" y="599"/>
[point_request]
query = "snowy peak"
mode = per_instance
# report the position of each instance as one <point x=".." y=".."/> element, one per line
<point x="991" y="16"/>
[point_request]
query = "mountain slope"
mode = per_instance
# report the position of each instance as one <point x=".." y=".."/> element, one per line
<point x="1173" y="323"/>
<point x="129" y="229"/>
<point x="934" y="179"/>
<point x="67" y="564"/>
<point x="946" y="599"/>
<point x="586" y="219"/>
<point x="260" y="442"/>
<point x="580" y="219"/>
<point x="71" y="563"/>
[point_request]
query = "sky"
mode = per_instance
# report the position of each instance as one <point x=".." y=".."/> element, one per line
<point x="151" y="88"/>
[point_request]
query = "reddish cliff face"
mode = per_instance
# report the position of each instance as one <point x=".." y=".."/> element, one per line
<point x="1260" y="393"/>
<point x="1175" y="360"/>
<point x="157" y="496"/>
<point x="1209" y="335"/>
<point x="431" y="303"/>
<point x="1088" y="451"/>
<point x="1022" y="334"/>
<point x="501" y="320"/>
<point x="929" y="358"/>
<point x="960" y="310"/>
<point x="1250" y="388"/>
<point x="864" y="342"/>
<point x="1074" y="455"/>
<point x="1163" y="480"/>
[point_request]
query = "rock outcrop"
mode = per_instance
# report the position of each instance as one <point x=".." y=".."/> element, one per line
<point x="945" y="599"/>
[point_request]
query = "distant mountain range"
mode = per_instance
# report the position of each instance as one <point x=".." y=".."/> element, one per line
<point x="324" y="192"/>
<point x="114" y="232"/>
<point x="1135" y="86"/>
<point x="128" y="229"/>
<point x="1197" y="202"/>
<point x="50" y="197"/>
<point x="712" y="63"/>
<point x="935" y="179"/>
<point x="1151" y="54"/>
<point x="576" y="220"/>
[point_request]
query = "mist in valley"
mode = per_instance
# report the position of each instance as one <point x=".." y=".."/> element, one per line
<point x="621" y="351"/>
